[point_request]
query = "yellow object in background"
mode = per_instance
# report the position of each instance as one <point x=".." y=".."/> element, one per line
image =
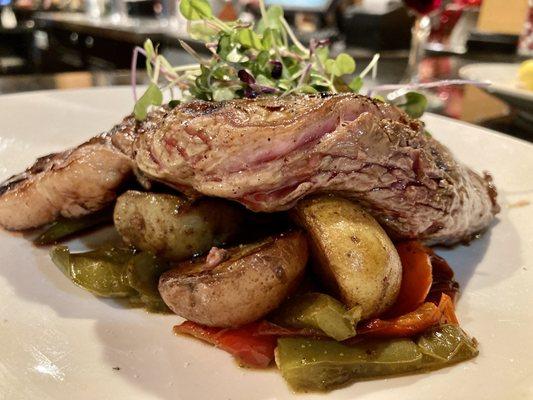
<point x="525" y="74"/>
<point x="503" y="16"/>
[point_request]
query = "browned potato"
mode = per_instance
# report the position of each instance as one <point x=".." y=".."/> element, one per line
<point x="174" y="227"/>
<point x="351" y="252"/>
<point x="238" y="286"/>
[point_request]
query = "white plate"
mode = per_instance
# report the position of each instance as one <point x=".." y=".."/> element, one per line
<point x="503" y="78"/>
<point x="59" y="342"/>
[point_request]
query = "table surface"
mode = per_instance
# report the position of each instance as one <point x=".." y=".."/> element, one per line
<point x="133" y="30"/>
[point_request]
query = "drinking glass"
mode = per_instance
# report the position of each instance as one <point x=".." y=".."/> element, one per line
<point x="419" y="34"/>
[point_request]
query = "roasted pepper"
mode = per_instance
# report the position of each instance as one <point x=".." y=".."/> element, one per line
<point x="142" y="272"/>
<point x="101" y="271"/>
<point x="446" y="344"/>
<point x="416" y="278"/>
<point x="320" y="312"/>
<point x="311" y="364"/>
<point x="63" y="228"/>
<point x="112" y="271"/>
<point x="413" y="323"/>
<point x="249" y="347"/>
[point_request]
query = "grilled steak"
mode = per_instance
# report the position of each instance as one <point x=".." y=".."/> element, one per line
<point x="267" y="154"/>
<point x="270" y="152"/>
<point x="74" y="182"/>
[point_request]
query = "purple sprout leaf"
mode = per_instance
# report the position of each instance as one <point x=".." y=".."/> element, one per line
<point x="277" y="69"/>
<point x="245" y="77"/>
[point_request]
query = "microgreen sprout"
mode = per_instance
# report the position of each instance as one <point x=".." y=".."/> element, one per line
<point x="246" y="61"/>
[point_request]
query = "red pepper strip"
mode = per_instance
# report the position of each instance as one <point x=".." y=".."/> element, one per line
<point x="447" y="308"/>
<point x="443" y="281"/>
<point x="413" y="323"/>
<point x="243" y="343"/>
<point x="416" y="278"/>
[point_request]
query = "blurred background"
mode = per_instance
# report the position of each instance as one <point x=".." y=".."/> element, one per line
<point x="63" y="44"/>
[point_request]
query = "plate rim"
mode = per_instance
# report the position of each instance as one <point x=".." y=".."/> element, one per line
<point x="500" y="135"/>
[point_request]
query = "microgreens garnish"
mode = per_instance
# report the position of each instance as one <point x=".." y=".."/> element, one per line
<point x="414" y="105"/>
<point x="246" y="61"/>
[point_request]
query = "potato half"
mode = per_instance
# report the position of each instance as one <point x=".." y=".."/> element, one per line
<point x="251" y="281"/>
<point x="351" y="253"/>
<point x="174" y="227"/>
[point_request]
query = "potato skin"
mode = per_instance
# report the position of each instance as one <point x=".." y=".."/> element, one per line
<point x="351" y="253"/>
<point x="173" y="226"/>
<point x="252" y="282"/>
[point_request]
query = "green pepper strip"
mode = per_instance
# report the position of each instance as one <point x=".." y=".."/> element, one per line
<point x="63" y="228"/>
<point x="114" y="272"/>
<point x="320" y="312"/>
<point x="310" y="364"/>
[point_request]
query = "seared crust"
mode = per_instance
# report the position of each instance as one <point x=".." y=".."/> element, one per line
<point x="270" y="152"/>
<point x="68" y="184"/>
<point x="75" y="182"/>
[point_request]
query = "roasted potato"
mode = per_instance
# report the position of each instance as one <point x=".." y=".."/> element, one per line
<point x="174" y="227"/>
<point x="238" y="286"/>
<point x="351" y="253"/>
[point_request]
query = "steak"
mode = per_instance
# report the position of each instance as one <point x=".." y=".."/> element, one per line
<point x="268" y="153"/>
<point x="72" y="183"/>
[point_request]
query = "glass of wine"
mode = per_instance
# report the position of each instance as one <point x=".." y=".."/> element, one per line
<point x="420" y="34"/>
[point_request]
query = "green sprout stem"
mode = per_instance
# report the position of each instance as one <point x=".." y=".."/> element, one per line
<point x="192" y="52"/>
<point x="262" y="9"/>
<point x="184" y="68"/>
<point x="293" y="37"/>
<point x="371" y="66"/>
<point x="247" y="60"/>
